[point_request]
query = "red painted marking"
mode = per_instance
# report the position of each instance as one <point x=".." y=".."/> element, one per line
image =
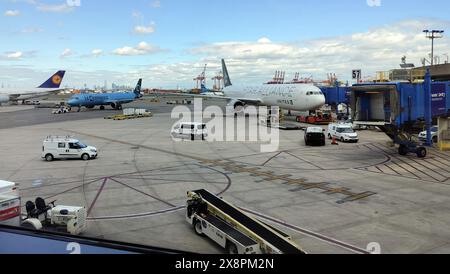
<point x="96" y="196"/>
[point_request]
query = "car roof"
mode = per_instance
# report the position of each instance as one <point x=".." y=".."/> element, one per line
<point x="315" y="129"/>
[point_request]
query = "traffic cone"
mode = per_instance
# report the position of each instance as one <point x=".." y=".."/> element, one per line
<point x="334" y="141"/>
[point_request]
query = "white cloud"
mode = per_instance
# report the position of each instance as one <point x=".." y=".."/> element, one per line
<point x="374" y="50"/>
<point x="264" y="40"/>
<point x="55" y="8"/>
<point x="17" y="55"/>
<point x="66" y="53"/>
<point x="12" y="13"/>
<point x="142" y="48"/>
<point x="14" y="55"/>
<point x="156" y="4"/>
<point x="97" y="52"/>
<point x="144" y="29"/>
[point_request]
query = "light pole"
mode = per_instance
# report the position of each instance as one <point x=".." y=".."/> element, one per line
<point x="433" y="34"/>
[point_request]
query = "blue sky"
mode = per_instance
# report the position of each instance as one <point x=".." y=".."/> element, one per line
<point x="178" y="36"/>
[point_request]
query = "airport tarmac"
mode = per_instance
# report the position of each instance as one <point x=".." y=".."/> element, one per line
<point x="333" y="199"/>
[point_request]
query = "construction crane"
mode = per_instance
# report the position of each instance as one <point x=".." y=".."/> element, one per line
<point x="218" y="79"/>
<point x="201" y="79"/>
<point x="278" y="78"/>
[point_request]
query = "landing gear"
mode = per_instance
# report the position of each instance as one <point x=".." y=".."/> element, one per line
<point x="102" y="107"/>
<point x="79" y="109"/>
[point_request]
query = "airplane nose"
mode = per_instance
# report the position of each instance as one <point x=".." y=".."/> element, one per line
<point x="72" y="102"/>
<point x="321" y="101"/>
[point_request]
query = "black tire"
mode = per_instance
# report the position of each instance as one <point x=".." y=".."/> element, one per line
<point x="192" y="137"/>
<point x="85" y="157"/>
<point x="198" y="228"/>
<point x="329" y="136"/>
<point x="49" y="158"/>
<point x="342" y="139"/>
<point x="403" y="150"/>
<point x="421" y="152"/>
<point x="203" y="137"/>
<point x="102" y="107"/>
<point x="232" y="249"/>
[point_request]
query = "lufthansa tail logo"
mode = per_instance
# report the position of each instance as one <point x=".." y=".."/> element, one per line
<point x="56" y="79"/>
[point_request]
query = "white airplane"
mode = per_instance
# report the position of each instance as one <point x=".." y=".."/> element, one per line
<point x="296" y="97"/>
<point x="52" y="85"/>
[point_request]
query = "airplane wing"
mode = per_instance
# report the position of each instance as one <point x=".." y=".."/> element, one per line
<point x="208" y="96"/>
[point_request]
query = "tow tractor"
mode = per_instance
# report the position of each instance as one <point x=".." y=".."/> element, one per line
<point x="317" y="118"/>
<point x="234" y="230"/>
<point x="42" y="216"/>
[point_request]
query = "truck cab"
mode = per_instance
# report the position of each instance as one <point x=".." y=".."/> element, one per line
<point x="57" y="147"/>
<point x="343" y="132"/>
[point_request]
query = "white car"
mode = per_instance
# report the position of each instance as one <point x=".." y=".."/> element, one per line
<point x="343" y="132"/>
<point x="56" y="147"/>
<point x="434" y="135"/>
<point x="190" y="130"/>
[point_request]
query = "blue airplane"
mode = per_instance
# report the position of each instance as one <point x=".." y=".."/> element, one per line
<point x="115" y="100"/>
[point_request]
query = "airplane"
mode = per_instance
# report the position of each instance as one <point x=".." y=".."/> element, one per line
<point x="296" y="97"/>
<point x="115" y="100"/>
<point x="206" y="91"/>
<point x="52" y="85"/>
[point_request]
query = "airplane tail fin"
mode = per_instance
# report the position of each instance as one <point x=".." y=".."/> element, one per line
<point x="226" y="76"/>
<point x="204" y="89"/>
<point x="54" y="81"/>
<point x="137" y="90"/>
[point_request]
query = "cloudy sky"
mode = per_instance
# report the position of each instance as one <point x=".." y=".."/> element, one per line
<point x="167" y="42"/>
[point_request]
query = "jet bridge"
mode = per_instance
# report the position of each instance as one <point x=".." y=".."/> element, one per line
<point x="401" y="110"/>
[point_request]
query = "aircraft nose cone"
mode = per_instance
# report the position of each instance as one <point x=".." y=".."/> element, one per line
<point x="321" y="101"/>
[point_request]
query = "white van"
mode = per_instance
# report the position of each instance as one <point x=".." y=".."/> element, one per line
<point x="56" y="147"/>
<point x="190" y="130"/>
<point x="343" y="132"/>
<point x="10" y="210"/>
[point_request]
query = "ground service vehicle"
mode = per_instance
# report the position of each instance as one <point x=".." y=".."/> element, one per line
<point x="319" y="118"/>
<point x="70" y="219"/>
<point x="190" y="130"/>
<point x="234" y="230"/>
<point x="434" y="135"/>
<point x="315" y="136"/>
<point x="9" y="204"/>
<point x="57" y="147"/>
<point x="342" y="132"/>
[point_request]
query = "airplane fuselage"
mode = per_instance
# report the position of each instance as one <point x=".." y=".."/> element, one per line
<point x="104" y="99"/>
<point x="297" y="97"/>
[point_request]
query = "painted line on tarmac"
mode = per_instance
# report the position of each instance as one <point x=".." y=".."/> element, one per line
<point x="96" y="196"/>
<point x="310" y="233"/>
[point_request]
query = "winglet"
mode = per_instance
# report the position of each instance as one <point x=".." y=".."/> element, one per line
<point x="54" y="81"/>
<point x="226" y="76"/>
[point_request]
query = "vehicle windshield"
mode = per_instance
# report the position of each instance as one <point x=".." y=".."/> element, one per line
<point x="345" y="130"/>
<point x="229" y="126"/>
<point x="80" y="145"/>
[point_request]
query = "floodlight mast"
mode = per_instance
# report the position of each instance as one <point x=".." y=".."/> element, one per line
<point x="433" y="34"/>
